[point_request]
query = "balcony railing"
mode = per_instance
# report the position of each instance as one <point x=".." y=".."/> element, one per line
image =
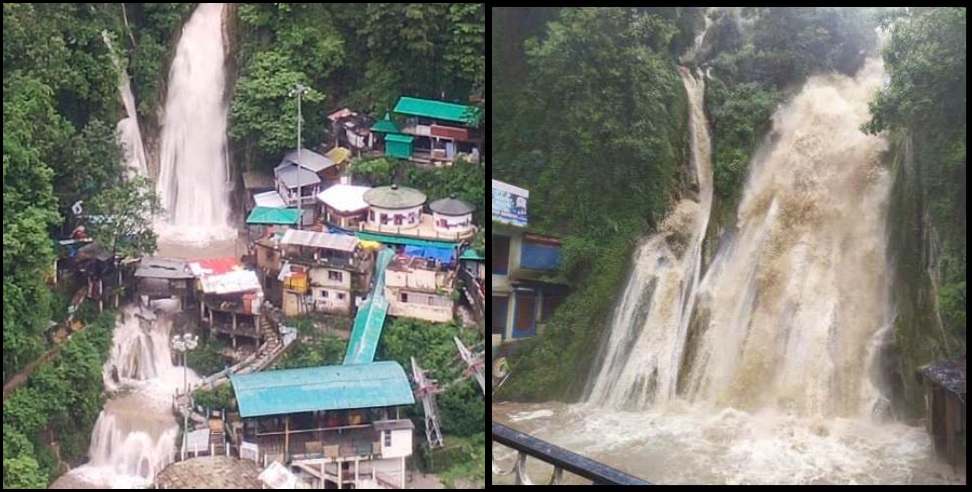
<point x="560" y="458"/>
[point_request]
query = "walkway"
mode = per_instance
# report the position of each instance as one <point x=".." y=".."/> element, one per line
<point x="371" y="317"/>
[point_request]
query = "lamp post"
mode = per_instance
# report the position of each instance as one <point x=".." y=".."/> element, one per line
<point x="183" y="344"/>
<point x="299" y="90"/>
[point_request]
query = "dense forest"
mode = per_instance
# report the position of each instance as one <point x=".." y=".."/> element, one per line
<point x="594" y="125"/>
<point x="61" y="65"/>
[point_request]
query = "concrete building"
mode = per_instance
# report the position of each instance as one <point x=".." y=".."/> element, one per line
<point x="420" y="288"/>
<point x="453" y="217"/>
<point x="322" y="272"/>
<point x="343" y="205"/>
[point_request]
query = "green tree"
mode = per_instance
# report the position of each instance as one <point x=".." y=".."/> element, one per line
<point x="122" y="218"/>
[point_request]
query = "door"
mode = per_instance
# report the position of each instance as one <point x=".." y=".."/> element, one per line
<point x="524" y="322"/>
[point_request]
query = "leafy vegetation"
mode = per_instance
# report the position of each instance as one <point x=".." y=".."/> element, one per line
<point x="123" y="217"/>
<point x="317" y="351"/>
<point x="207" y="358"/>
<point x="461" y="406"/>
<point x="63" y="396"/>
<point x="922" y="109"/>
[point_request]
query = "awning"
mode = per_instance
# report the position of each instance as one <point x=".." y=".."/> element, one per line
<point x="231" y="283"/>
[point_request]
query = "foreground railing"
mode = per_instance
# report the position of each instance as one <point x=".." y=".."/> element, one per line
<point x="560" y="458"/>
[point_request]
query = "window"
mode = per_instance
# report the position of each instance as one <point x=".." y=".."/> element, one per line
<point x="404" y="297"/>
<point x="332" y="275"/>
<point x="384" y="219"/>
<point x="324" y="294"/>
<point x="500" y="254"/>
<point x="371" y="215"/>
<point x="498" y="315"/>
<point x="398" y="219"/>
<point x="340" y="296"/>
<point x="387" y="438"/>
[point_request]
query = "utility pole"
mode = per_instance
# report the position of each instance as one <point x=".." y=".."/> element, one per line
<point x="299" y="90"/>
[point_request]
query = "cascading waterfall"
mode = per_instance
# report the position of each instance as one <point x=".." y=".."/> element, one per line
<point x="193" y="178"/>
<point x="127" y="129"/>
<point x="135" y="435"/>
<point x="645" y="346"/>
<point x="794" y="298"/>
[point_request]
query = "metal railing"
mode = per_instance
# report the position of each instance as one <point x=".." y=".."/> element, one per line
<point x="561" y="459"/>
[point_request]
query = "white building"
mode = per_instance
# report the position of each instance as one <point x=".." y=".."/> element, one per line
<point x="343" y="205"/>
<point x="419" y="288"/>
<point x="394" y="208"/>
<point x="452" y="216"/>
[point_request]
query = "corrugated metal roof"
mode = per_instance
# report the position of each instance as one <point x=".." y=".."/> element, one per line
<point x="441" y="110"/>
<point x="266" y="215"/>
<point x="153" y="267"/>
<point x="269" y="199"/>
<point x="231" y="282"/>
<point x="292" y="176"/>
<point x="379" y="384"/>
<point x="214" y="266"/>
<point x="340" y="242"/>
<point x="308" y="159"/>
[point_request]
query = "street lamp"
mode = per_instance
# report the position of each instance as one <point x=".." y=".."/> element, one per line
<point x="299" y="90"/>
<point x="183" y="344"/>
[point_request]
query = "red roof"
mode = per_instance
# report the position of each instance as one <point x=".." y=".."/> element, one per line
<point x="217" y="266"/>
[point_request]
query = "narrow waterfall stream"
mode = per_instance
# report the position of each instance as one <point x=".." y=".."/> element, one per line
<point x="193" y="182"/>
<point x="135" y="435"/>
<point x="762" y="372"/>
<point x="129" y="134"/>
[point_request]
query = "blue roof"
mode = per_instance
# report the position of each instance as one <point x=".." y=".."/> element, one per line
<point x="379" y="384"/>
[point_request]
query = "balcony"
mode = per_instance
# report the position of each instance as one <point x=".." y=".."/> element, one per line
<point x="424" y="230"/>
<point x="560" y="458"/>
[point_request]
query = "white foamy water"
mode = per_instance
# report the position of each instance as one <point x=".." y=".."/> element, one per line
<point x="135" y="435"/>
<point x="681" y="443"/>
<point x="193" y="178"/>
<point x="129" y="134"/>
<point x="644" y="350"/>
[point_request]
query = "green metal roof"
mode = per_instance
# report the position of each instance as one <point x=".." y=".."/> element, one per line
<point x="385" y="125"/>
<point x="471" y="254"/>
<point x="379" y="384"/>
<point x="439" y="110"/>
<point x="398" y="137"/>
<point x="388" y="239"/>
<point x="363" y="342"/>
<point x="267" y="215"/>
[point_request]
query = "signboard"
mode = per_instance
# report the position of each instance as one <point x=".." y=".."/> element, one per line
<point x="509" y="204"/>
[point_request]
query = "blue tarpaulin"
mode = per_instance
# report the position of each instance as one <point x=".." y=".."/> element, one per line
<point x="442" y="255"/>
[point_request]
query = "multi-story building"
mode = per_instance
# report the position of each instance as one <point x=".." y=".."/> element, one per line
<point x="420" y="288"/>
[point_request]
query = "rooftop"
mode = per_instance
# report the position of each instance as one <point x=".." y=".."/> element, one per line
<point x="269" y="199"/>
<point x="340" y="242"/>
<point x="451" y="206"/>
<point x="231" y="282"/>
<point x="341" y="387"/>
<point x="308" y="159"/>
<point x="344" y="197"/>
<point x="394" y="197"/>
<point x="273" y="215"/>
<point x="949" y="374"/>
<point x="338" y="154"/>
<point x="155" y="267"/>
<point x="439" y="110"/>
<point x="292" y="176"/>
<point x="398" y="137"/>
<point x="385" y="125"/>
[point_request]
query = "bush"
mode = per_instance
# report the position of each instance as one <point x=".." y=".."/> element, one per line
<point x="216" y="399"/>
<point x="207" y="358"/>
<point x="323" y="351"/>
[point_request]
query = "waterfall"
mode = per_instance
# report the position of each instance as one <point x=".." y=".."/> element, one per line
<point x="647" y="337"/>
<point x="134" y="437"/>
<point x="127" y="129"/>
<point x="794" y="299"/>
<point x="193" y="182"/>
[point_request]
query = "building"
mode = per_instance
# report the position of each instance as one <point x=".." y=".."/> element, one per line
<point x="524" y="287"/>
<point x="420" y="286"/>
<point x="230" y="298"/>
<point x="300" y="177"/>
<point x="472" y="272"/>
<point x="322" y="272"/>
<point x="436" y="132"/>
<point x="944" y="383"/>
<point x="351" y="130"/>
<point x="453" y="216"/>
<point x="394" y="208"/>
<point x="165" y="278"/>
<point x="338" y="424"/>
<point x="383" y="128"/>
<point x="343" y="205"/>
